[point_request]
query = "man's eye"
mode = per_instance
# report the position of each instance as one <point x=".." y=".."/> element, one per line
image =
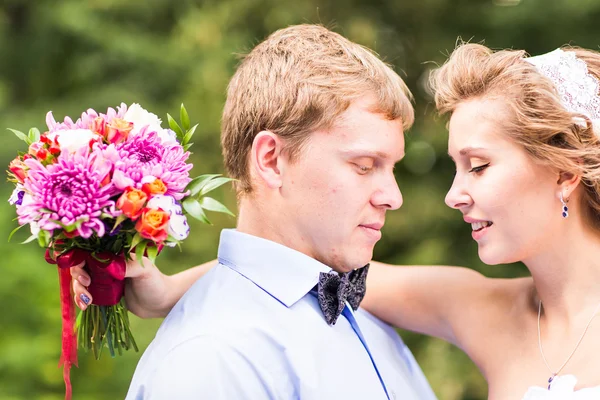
<point x="363" y="169"/>
<point x="479" y="168"/>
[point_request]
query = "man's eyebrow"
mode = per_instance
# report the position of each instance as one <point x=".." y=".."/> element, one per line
<point x="370" y="153"/>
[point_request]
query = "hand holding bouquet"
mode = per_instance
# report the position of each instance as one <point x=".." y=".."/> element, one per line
<point x="95" y="191"/>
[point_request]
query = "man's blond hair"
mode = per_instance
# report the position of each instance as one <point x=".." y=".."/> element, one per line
<point x="300" y="79"/>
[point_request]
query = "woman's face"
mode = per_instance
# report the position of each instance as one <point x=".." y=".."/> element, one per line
<point x="511" y="202"/>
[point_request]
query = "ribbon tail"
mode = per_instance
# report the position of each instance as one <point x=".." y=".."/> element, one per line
<point x="68" y="355"/>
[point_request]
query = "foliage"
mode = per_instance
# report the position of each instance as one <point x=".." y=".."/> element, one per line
<point x="61" y="55"/>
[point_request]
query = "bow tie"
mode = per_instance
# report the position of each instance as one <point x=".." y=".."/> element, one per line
<point x="334" y="289"/>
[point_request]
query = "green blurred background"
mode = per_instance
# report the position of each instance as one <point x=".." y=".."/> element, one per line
<point x="70" y="55"/>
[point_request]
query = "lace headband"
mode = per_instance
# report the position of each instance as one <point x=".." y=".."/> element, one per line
<point x="577" y="88"/>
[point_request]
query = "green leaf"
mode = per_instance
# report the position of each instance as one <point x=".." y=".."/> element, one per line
<point x="208" y="203"/>
<point x="34" y="135"/>
<point x="184" y="118"/>
<point x="193" y="208"/>
<point x="214" y="183"/>
<point x="139" y="251"/>
<point x="152" y="253"/>
<point x="198" y="183"/>
<point x="14" y="231"/>
<point x="118" y="221"/>
<point x="72" y="227"/>
<point x="189" y="134"/>
<point x="44" y="238"/>
<point x="29" y="239"/>
<point x="187" y="146"/>
<point x="175" y="127"/>
<point x="137" y="238"/>
<point x="20" y="135"/>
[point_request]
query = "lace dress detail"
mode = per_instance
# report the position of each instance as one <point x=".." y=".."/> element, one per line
<point x="562" y="388"/>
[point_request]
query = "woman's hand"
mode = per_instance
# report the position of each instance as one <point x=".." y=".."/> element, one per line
<point x="148" y="292"/>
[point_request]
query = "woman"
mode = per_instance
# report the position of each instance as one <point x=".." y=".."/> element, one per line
<point x="528" y="181"/>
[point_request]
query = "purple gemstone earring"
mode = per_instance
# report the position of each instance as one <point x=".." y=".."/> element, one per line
<point x="565" y="209"/>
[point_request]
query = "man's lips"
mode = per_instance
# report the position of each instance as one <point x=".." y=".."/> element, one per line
<point x="375" y="226"/>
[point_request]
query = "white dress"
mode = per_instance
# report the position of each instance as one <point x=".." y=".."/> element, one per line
<point x="562" y="388"/>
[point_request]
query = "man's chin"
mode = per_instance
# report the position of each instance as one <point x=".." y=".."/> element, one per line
<point x="358" y="262"/>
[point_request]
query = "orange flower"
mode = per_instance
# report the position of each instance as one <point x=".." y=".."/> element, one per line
<point x="99" y="126"/>
<point x="153" y="224"/>
<point x="19" y="169"/>
<point x="155" y="187"/>
<point x="118" y="130"/>
<point x="132" y="202"/>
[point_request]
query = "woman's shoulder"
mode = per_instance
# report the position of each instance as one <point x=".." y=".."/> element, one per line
<point x="495" y="321"/>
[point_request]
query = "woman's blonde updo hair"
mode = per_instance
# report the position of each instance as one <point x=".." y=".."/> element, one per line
<point x="538" y="121"/>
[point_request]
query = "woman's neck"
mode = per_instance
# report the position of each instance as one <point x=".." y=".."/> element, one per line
<point x="567" y="276"/>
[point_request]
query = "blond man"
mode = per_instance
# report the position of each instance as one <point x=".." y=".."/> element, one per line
<point x="312" y="128"/>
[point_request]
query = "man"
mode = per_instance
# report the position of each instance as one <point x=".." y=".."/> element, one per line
<point x="312" y="127"/>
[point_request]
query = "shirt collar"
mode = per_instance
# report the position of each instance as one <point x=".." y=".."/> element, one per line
<point x="284" y="273"/>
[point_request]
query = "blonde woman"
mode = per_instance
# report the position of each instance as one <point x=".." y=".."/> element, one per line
<point x="524" y="134"/>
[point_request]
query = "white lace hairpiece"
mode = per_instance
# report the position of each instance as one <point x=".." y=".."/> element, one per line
<point x="577" y="88"/>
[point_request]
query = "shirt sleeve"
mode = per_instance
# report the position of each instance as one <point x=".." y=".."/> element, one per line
<point x="206" y="368"/>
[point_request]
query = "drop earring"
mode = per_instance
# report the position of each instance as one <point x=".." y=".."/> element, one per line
<point x="565" y="209"/>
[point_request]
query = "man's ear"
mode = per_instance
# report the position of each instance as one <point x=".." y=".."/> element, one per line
<point x="568" y="182"/>
<point x="267" y="159"/>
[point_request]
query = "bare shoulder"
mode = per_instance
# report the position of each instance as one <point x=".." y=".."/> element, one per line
<point x="488" y="326"/>
<point x="495" y="299"/>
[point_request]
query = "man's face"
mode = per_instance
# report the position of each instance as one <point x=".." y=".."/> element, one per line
<point x="336" y="193"/>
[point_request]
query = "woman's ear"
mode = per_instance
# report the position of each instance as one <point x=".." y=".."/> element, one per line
<point x="568" y="182"/>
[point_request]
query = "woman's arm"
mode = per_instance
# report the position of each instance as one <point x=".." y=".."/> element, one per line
<point x="428" y="299"/>
<point x="148" y="292"/>
<point x="432" y="300"/>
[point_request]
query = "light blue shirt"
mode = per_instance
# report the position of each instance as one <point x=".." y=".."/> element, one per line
<point x="251" y="329"/>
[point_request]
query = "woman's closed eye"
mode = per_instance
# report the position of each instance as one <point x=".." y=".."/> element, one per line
<point x="479" y="169"/>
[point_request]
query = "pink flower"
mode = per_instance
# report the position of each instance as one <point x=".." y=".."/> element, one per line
<point x="145" y="155"/>
<point x="87" y="119"/>
<point x="69" y="192"/>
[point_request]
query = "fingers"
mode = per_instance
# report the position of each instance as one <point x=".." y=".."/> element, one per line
<point x="81" y="280"/>
<point x="83" y="298"/>
<point x="79" y="274"/>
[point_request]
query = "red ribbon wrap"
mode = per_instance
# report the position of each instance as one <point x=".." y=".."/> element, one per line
<point x="107" y="271"/>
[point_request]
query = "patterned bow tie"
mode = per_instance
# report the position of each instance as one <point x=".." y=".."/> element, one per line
<point x="334" y="289"/>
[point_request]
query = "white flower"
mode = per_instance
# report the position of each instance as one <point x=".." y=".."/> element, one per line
<point x="34" y="228"/>
<point x="27" y="200"/>
<point x="71" y="140"/>
<point x="166" y="203"/>
<point x="167" y="136"/>
<point x="178" y="226"/>
<point x="141" y="118"/>
<point x="14" y="197"/>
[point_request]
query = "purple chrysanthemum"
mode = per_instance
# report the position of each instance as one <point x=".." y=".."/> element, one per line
<point x="146" y="155"/>
<point x="69" y="192"/>
<point x="86" y="120"/>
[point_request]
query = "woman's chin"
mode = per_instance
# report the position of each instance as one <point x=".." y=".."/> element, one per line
<point x="490" y="257"/>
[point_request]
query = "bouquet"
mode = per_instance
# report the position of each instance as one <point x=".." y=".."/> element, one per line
<point x="97" y="190"/>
